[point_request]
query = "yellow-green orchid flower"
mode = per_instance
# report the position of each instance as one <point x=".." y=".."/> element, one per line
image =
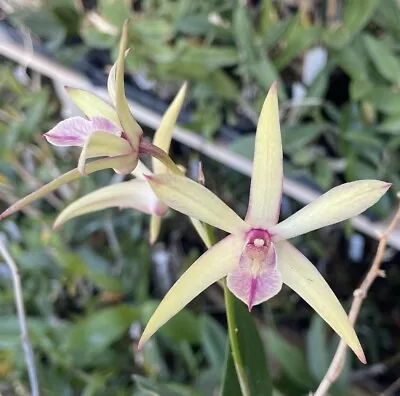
<point x="109" y="131"/>
<point x="256" y="257"/>
<point x="136" y="193"/>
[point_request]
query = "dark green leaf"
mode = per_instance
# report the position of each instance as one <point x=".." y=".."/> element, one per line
<point x="354" y="19"/>
<point x="91" y="336"/>
<point x="213" y="340"/>
<point x="252" y="352"/>
<point x="290" y="358"/>
<point x="184" y="326"/>
<point x="383" y="58"/>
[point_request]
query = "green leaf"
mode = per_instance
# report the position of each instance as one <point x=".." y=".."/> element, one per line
<point x="230" y="382"/>
<point x="385" y="99"/>
<point x="243" y="34"/>
<point x="387" y="64"/>
<point x="354" y="19"/>
<point x="184" y="326"/>
<point x="252" y="351"/>
<point x="295" y="40"/>
<point x="90" y="337"/>
<point x="244" y="146"/>
<point x="390" y="125"/>
<point x="211" y="58"/>
<point x="296" y="137"/>
<point x="318" y="356"/>
<point x="290" y="358"/>
<point x="195" y="25"/>
<point x="213" y="340"/>
<point x="115" y="11"/>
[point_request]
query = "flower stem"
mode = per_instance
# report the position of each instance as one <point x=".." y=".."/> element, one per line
<point x="149" y="148"/>
<point x="234" y="341"/>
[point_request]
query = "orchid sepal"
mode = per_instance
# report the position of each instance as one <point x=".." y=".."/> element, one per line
<point x="135" y="194"/>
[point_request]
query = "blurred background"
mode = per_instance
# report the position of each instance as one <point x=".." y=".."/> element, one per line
<point x="90" y="287"/>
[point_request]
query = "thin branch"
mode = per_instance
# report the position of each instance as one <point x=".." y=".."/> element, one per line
<point x="26" y="344"/>
<point x="359" y="294"/>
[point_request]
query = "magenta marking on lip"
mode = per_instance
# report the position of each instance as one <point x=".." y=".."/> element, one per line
<point x="252" y="293"/>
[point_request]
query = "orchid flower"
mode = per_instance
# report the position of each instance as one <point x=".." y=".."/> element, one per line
<point x="256" y="257"/>
<point x="109" y="131"/>
<point x="136" y="193"/>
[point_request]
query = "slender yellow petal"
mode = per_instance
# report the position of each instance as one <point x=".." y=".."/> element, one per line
<point x="131" y="128"/>
<point x="104" y="163"/>
<point x="194" y="200"/>
<point x="155" y="226"/>
<point x="102" y="144"/>
<point x="201" y="231"/>
<point x="301" y="276"/>
<point x="338" y="204"/>
<point x="92" y="105"/>
<point x="209" y="268"/>
<point x="162" y="137"/>
<point x="135" y="194"/>
<point x="267" y="178"/>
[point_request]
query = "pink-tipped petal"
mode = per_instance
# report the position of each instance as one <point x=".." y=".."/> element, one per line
<point x="338" y="204"/>
<point x="71" y="132"/>
<point x="255" y="285"/>
<point x="267" y="177"/>
<point x="76" y="130"/>
<point x="301" y="276"/>
<point x="209" y="268"/>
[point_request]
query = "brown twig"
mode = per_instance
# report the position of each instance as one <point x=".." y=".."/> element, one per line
<point x="359" y="294"/>
<point x="19" y="301"/>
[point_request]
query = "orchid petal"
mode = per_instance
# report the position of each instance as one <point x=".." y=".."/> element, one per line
<point x="194" y="200"/>
<point x="70" y="132"/>
<point x="103" y="144"/>
<point x="255" y="288"/>
<point x="201" y="231"/>
<point x="338" y="204"/>
<point x="155" y="226"/>
<point x="135" y="194"/>
<point x="267" y="178"/>
<point x="76" y="130"/>
<point x="131" y="128"/>
<point x="209" y="268"/>
<point x="163" y="135"/>
<point x="92" y="105"/>
<point x="141" y="171"/>
<point x="74" y="174"/>
<point x="301" y="276"/>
